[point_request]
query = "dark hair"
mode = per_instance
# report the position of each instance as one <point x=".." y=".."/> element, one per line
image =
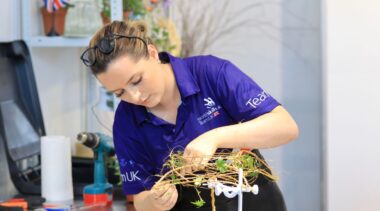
<point x="133" y="47"/>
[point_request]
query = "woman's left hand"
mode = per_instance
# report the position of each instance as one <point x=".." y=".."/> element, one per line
<point x="199" y="151"/>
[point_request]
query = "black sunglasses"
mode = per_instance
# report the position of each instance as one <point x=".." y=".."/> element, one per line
<point x="105" y="45"/>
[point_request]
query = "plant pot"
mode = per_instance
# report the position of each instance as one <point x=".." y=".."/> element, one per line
<point x="59" y="21"/>
<point x="126" y="14"/>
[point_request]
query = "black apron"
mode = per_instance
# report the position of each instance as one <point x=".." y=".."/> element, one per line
<point x="268" y="199"/>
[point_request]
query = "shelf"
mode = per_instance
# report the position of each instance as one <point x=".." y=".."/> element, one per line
<point x="31" y="26"/>
<point x="43" y="41"/>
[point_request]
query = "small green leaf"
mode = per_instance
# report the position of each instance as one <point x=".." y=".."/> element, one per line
<point x="253" y="174"/>
<point x="221" y="165"/>
<point x="199" y="203"/>
<point x="248" y="161"/>
<point x="177" y="162"/>
<point x="173" y="177"/>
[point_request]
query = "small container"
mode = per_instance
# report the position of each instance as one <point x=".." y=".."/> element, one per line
<point x="84" y="19"/>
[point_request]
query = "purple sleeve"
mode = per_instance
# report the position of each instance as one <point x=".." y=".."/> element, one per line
<point x="136" y="173"/>
<point x="240" y="95"/>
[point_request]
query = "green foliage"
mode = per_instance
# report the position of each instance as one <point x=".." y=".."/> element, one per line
<point x="247" y="161"/>
<point x="106" y="8"/>
<point x="177" y="162"/>
<point x="221" y="165"/>
<point x="223" y="168"/>
<point x="160" y="37"/>
<point x="173" y="177"/>
<point x="136" y="6"/>
<point x="253" y="174"/>
<point x="113" y="163"/>
<point x="175" y="180"/>
<point x="199" y="203"/>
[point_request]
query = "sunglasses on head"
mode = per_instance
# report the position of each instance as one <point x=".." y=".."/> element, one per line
<point x="105" y="45"/>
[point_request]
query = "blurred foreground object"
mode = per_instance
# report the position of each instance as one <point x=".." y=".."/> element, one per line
<point x="101" y="191"/>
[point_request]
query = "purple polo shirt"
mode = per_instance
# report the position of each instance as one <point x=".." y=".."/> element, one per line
<point x="214" y="93"/>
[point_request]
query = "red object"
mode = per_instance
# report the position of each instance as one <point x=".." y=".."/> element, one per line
<point x="16" y="202"/>
<point x="245" y="150"/>
<point x="97" y="199"/>
<point x="130" y="198"/>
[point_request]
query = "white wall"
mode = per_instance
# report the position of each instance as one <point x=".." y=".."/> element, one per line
<point x="352" y="73"/>
<point x="59" y="75"/>
<point x="60" y="82"/>
<point x="10" y="21"/>
<point x="302" y="96"/>
<point x="279" y="47"/>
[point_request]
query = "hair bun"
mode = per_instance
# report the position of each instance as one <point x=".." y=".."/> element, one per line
<point x="141" y="26"/>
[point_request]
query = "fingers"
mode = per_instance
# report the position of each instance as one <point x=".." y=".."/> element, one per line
<point x="194" y="162"/>
<point x="160" y="189"/>
<point x="197" y="164"/>
<point x="169" y="204"/>
<point x="187" y="162"/>
<point x="169" y="196"/>
<point x="165" y="195"/>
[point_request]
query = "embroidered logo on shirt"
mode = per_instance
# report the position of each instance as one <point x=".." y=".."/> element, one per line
<point x="211" y="113"/>
<point x="130" y="176"/>
<point x="209" y="102"/>
<point x="254" y="102"/>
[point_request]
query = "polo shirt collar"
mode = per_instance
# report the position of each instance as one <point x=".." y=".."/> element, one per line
<point x="185" y="81"/>
<point x="140" y="113"/>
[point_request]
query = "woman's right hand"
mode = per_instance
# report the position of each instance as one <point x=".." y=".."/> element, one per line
<point x="164" y="196"/>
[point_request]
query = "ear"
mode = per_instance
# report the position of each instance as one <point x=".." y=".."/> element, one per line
<point x="153" y="52"/>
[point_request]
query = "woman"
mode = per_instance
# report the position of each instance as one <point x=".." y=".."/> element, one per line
<point x="201" y="104"/>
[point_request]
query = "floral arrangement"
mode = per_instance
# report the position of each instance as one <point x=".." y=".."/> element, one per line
<point x="221" y="171"/>
<point x="165" y="36"/>
<point x="163" y="30"/>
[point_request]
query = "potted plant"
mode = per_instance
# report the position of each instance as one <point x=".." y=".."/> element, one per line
<point x="106" y="12"/>
<point x="53" y="16"/>
<point x="134" y="8"/>
<point x="131" y="8"/>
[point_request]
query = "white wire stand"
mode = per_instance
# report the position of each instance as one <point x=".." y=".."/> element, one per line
<point x="231" y="192"/>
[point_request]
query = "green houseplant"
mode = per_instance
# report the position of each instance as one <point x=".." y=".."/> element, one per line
<point x="131" y="8"/>
<point x="136" y="7"/>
